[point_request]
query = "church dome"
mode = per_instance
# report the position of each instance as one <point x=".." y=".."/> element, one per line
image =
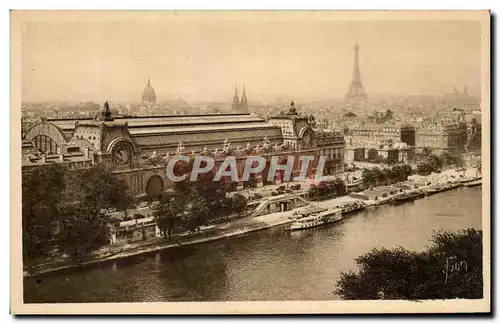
<point x="149" y="95"/>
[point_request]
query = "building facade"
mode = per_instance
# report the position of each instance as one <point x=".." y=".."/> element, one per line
<point x="376" y="134"/>
<point x="137" y="149"/>
<point x="440" y="137"/>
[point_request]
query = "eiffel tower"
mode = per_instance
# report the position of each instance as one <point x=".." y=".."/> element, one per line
<point x="356" y="92"/>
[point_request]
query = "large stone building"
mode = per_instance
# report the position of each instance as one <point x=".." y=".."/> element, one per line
<point x="300" y="133"/>
<point x="377" y="134"/>
<point x="441" y="137"/>
<point x="138" y="148"/>
<point x="393" y="143"/>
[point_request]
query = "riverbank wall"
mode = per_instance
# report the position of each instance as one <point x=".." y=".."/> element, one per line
<point x="239" y="227"/>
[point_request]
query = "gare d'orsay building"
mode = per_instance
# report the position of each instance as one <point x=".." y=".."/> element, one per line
<point x="137" y="149"/>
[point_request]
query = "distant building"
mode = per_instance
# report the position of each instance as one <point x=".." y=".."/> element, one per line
<point x="473" y="136"/>
<point x="148" y="95"/>
<point x="244" y="102"/>
<point x="235" y="107"/>
<point x="442" y="137"/>
<point x="300" y="132"/>
<point x="239" y="106"/>
<point x="384" y="153"/>
<point x="376" y="134"/>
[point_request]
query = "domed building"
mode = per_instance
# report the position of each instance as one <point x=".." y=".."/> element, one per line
<point x="149" y="95"/>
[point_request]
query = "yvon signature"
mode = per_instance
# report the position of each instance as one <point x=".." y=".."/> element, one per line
<point x="454" y="265"/>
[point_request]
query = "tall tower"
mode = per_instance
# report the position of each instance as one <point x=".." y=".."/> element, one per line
<point x="244" y="102"/>
<point x="356" y="92"/>
<point x="236" y="103"/>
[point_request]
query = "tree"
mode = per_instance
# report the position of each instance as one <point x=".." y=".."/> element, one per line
<point x="450" y="268"/>
<point x="432" y="164"/>
<point x="369" y="177"/>
<point x="101" y="189"/>
<point x="380" y="175"/>
<point x="41" y="192"/>
<point x="401" y="172"/>
<point x="426" y="151"/>
<point x="446" y="158"/>
<point x="449" y="159"/>
<point x="435" y="161"/>
<point x="340" y="187"/>
<point x="82" y="230"/>
<point x="425" y="169"/>
<point x="406" y="171"/>
<point x="167" y="214"/>
<point x="197" y="210"/>
<point x="62" y="207"/>
<point x="239" y="203"/>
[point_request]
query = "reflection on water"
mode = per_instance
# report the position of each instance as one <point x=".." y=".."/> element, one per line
<point x="266" y="265"/>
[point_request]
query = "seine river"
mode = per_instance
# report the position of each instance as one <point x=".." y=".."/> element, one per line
<point x="266" y="265"/>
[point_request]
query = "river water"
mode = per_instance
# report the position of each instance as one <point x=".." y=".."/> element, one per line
<point x="266" y="265"/>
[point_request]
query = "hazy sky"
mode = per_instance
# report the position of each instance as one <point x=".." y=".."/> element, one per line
<point x="204" y="59"/>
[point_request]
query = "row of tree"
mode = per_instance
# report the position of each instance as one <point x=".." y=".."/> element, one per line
<point x="428" y="164"/>
<point x="434" y="163"/>
<point x="63" y="209"/>
<point x="327" y="189"/>
<point x="194" y="204"/>
<point x="386" y="176"/>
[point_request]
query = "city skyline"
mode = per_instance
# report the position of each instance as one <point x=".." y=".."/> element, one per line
<point x="203" y="59"/>
<point x="259" y="157"/>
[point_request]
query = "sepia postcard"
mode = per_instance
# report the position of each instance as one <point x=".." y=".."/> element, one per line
<point x="250" y="162"/>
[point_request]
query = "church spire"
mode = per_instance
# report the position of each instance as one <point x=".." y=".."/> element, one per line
<point x="244" y="102"/>
<point x="236" y="102"/>
<point x="149" y="82"/>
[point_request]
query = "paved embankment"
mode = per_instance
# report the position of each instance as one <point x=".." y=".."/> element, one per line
<point x="114" y="252"/>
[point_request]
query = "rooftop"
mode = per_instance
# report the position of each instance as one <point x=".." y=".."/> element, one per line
<point x="172" y="120"/>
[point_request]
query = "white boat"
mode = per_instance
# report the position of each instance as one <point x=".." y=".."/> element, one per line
<point x="474" y="183"/>
<point x="317" y="219"/>
<point x="350" y="207"/>
<point x="431" y="190"/>
<point x="377" y="202"/>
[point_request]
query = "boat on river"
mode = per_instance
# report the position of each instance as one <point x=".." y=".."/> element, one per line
<point x="408" y="196"/>
<point x="474" y="183"/>
<point x="432" y="190"/>
<point x="316" y="219"/>
<point x="350" y="207"/>
<point x="451" y="185"/>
